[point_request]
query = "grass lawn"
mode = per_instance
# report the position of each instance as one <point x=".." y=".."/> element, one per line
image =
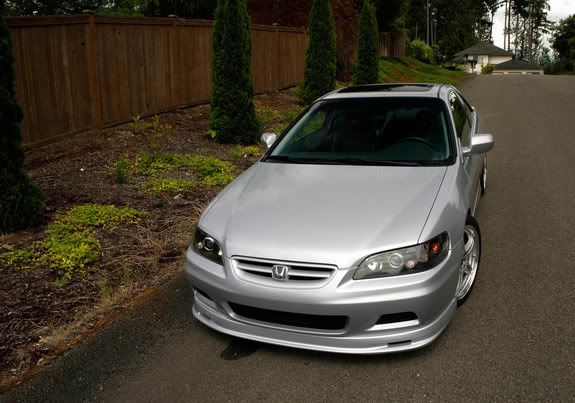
<point x="407" y="69"/>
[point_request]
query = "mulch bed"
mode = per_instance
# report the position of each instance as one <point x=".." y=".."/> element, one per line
<point x="135" y="258"/>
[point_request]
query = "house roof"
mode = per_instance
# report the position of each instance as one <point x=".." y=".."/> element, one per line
<point x="517" y="64"/>
<point x="484" y="49"/>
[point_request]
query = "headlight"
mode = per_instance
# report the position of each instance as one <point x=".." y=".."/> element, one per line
<point x="208" y="247"/>
<point x="414" y="259"/>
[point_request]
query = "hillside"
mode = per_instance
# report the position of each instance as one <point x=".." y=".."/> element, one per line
<point x="407" y="69"/>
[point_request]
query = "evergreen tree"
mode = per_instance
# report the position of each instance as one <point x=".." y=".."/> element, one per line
<point x="368" y="52"/>
<point x="233" y="111"/>
<point x="320" y="66"/>
<point x="20" y="202"/>
<point x="564" y="42"/>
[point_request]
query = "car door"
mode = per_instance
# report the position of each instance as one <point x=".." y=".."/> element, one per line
<point x="465" y="126"/>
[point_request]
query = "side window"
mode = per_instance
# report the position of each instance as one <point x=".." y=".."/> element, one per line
<point x="461" y="118"/>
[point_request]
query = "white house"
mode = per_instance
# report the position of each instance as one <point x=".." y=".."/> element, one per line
<point x="475" y="57"/>
<point x="516" y="66"/>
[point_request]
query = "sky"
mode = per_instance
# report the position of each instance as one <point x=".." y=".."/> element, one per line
<point x="559" y="9"/>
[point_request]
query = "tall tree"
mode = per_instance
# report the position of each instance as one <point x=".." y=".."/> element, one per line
<point x="20" y="201"/>
<point x="391" y="15"/>
<point x="233" y="118"/>
<point x="527" y="24"/>
<point x="320" y="65"/>
<point x="456" y="23"/>
<point x="368" y="50"/>
<point x="564" y="42"/>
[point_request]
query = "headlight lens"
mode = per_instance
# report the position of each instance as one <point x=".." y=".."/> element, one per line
<point x="414" y="259"/>
<point x="208" y="247"/>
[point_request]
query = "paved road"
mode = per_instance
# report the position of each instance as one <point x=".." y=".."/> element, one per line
<point x="514" y="339"/>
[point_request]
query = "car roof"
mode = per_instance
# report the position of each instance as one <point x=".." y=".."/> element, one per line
<point x="389" y="90"/>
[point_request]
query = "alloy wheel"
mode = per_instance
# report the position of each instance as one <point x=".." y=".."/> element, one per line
<point x="470" y="262"/>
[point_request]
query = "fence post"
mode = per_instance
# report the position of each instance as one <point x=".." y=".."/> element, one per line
<point x="94" y="78"/>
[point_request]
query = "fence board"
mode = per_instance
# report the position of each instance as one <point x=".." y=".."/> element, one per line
<point x="76" y="73"/>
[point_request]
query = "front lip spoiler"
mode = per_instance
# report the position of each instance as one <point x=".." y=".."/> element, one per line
<point x="220" y="322"/>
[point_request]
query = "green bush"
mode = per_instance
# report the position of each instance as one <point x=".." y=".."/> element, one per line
<point x="421" y="51"/>
<point x="368" y="51"/>
<point x="320" y="67"/>
<point x="487" y="69"/>
<point x="121" y="169"/>
<point x="233" y="116"/>
<point x="20" y="201"/>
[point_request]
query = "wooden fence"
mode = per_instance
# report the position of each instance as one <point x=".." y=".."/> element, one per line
<point x="391" y="45"/>
<point x="77" y="73"/>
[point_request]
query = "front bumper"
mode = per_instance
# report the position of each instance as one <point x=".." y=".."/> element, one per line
<point x="429" y="295"/>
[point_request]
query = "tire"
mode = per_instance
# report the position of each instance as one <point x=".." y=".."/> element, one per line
<point x="483" y="180"/>
<point x="470" y="261"/>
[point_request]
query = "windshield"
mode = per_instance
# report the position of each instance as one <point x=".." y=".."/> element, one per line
<point x="384" y="131"/>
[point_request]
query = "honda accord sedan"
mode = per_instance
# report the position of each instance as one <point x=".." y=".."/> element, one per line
<point x="355" y="232"/>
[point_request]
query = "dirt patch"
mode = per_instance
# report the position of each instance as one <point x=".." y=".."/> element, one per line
<point x="39" y="320"/>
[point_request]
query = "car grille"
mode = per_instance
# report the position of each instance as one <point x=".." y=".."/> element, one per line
<point x="323" y="322"/>
<point x="298" y="272"/>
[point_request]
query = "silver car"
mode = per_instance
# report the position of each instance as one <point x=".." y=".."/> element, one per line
<point x="354" y="233"/>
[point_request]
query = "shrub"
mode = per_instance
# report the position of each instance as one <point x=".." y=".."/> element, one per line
<point x="368" y="51"/>
<point x="233" y="116"/>
<point x="20" y="201"/>
<point x="487" y="69"/>
<point x="139" y="125"/>
<point x="121" y="169"/>
<point x="320" y="65"/>
<point x="421" y="51"/>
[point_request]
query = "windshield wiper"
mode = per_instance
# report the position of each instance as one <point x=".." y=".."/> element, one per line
<point x="364" y="161"/>
<point x="341" y="161"/>
<point x="286" y="158"/>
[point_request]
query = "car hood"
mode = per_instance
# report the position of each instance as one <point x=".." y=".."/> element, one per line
<point x="332" y="214"/>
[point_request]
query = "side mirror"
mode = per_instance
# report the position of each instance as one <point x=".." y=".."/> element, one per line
<point x="480" y="144"/>
<point x="269" y="139"/>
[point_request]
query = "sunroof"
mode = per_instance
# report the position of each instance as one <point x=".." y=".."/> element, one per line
<point x="388" y="88"/>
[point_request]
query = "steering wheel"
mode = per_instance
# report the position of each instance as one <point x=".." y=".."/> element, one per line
<point x="418" y="140"/>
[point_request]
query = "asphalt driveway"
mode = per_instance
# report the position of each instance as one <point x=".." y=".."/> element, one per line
<point x="513" y="340"/>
